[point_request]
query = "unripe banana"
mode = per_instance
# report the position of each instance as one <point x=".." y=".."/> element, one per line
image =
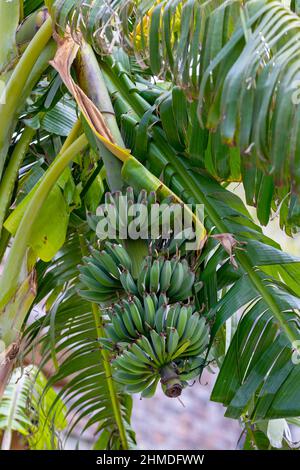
<point x="144" y="344"/>
<point x="128" y="283"/>
<point x="160" y="318"/>
<point x="154" y="276"/>
<point x="173" y="339"/>
<point x="96" y="296"/>
<point x="150" y="390"/>
<point x="100" y="276"/>
<point x="119" y="254"/>
<point x="141" y="354"/>
<point x="158" y="342"/>
<point x="150" y="338"/>
<point x="185" y="290"/>
<point x="106" y="262"/>
<point x="128" y="322"/>
<point x="136" y="318"/>
<point x="182" y="321"/>
<point x="119" y="327"/>
<point x="149" y="310"/>
<point x="176" y="280"/>
<point x="165" y="276"/>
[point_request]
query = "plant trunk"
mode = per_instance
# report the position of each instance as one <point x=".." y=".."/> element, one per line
<point x="92" y="83"/>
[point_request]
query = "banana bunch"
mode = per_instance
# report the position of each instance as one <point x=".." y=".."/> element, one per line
<point x="102" y="274"/>
<point x="118" y="212"/>
<point x="173" y="277"/>
<point x="154" y="336"/>
<point x="119" y="215"/>
<point x="151" y="328"/>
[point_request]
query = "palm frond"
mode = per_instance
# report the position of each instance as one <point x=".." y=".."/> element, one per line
<point x="25" y="408"/>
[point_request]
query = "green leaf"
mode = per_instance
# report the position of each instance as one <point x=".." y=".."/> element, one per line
<point x="49" y="231"/>
<point x="60" y="119"/>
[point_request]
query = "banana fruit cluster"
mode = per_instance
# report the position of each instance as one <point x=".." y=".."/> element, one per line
<point x="107" y="275"/>
<point x="118" y="216"/>
<point x="172" y="277"/>
<point x="154" y="338"/>
<point x="118" y="207"/>
<point x="102" y="275"/>
<point x="152" y="329"/>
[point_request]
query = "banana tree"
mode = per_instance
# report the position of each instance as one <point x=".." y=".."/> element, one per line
<point x="166" y="103"/>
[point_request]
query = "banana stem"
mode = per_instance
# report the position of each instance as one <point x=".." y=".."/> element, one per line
<point x="171" y="383"/>
<point x="16" y="84"/>
<point x="10" y="276"/>
<point x="106" y="362"/>
<point x="11" y="172"/>
<point x="92" y="83"/>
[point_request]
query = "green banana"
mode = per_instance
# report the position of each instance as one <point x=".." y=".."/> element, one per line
<point x="136" y="388"/>
<point x="172" y="343"/>
<point x="110" y="332"/>
<point x="107" y="262"/>
<point x="139" y="305"/>
<point x="135" y="315"/>
<point x="127" y="320"/>
<point x="129" y="378"/>
<point x="89" y="281"/>
<point x="144" y="343"/>
<point x="119" y="254"/>
<point x="176" y="280"/>
<point x="190" y="327"/>
<point x="165" y="276"/>
<point x="181" y="349"/>
<point x="127" y="282"/>
<point x="140" y="354"/>
<point x="185" y="290"/>
<point x="135" y="360"/>
<point x="149" y="307"/>
<point x="150" y="390"/>
<point x="160" y="318"/>
<point x="119" y="327"/>
<point x="182" y="321"/>
<point x="95" y="296"/>
<point x="151" y="336"/>
<point x="101" y="276"/>
<point x="154" y="276"/>
<point x="158" y="342"/>
<point x="127" y="365"/>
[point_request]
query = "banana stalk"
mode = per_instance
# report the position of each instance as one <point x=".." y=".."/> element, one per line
<point x="11" y="172"/>
<point x="171" y="382"/>
<point x="91" y="82"/>
<point x="15" y="87"/>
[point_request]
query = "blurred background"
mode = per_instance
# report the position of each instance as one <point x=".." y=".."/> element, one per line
<point x="194" y="423"/>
